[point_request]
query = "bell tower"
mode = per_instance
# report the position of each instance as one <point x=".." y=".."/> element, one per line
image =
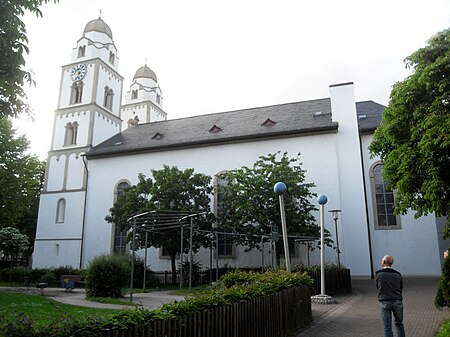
<point x="88" y="112"/>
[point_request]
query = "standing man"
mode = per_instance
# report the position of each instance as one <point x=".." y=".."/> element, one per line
<point x="389" y="283"/>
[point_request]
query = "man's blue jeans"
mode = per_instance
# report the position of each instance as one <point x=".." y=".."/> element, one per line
<point x="387" y="309"/>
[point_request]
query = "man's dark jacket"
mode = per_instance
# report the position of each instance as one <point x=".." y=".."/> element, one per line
<point x="389" y="284"/>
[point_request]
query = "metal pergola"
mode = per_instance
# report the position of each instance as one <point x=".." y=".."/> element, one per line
<point x="161" y="222"/>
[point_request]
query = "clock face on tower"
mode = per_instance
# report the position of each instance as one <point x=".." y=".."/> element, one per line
<point x="78" y="72"/>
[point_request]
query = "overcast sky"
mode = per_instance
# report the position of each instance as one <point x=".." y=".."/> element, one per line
<point x="213" y="56"/>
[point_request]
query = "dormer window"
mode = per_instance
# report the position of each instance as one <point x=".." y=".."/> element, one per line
<point x="268" y="122"/>
<point x="215" y="129"/>
<point x="158" y="136"/>
<point x="81" y="51"/>
<point x="134" y="94"/>
<point x="111" y="57"/>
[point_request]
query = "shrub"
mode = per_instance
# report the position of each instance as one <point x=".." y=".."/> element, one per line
<point x="151" y="281"/>
<point x="196" y="269"/>
<point x="107" y="275"/>
<point x="48" y="277"/>
<point x="18" y="274"/>
<point x="36" y="274"/>
<point x="442" y="298"/>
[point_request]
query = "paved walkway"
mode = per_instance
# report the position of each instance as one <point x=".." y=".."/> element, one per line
<point x="356" y="314"/>
<point x="359" y="315"/>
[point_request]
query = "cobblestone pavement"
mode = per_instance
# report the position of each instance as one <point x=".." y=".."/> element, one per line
<point x="359" y="314"/>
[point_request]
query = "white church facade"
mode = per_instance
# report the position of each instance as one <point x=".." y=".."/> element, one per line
<point x="101" y="144"/>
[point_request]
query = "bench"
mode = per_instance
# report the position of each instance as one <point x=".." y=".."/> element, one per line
<point x="41" y="286"/>
<point x="69" y="281"/>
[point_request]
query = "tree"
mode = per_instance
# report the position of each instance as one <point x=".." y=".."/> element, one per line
<point x="170" y="189"/>
<point x="13" y="45"/>
<point x="12" y="242"/>
<point x="249" y="205"/>
<point x="21" y="176"/>
<point x="413" y="140"/>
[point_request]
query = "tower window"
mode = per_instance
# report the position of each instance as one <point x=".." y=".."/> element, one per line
<point x="108" y="98"/>
<point x="81" y="51"/>
<point x="134" y="94"/>
<point x="60" y="210"/>
<point x="111" y="57"/>
<point x="71" y="133"/>
<point x="76" y="92"/>
<point x="383" y="200"/>
<point x="158" y="98"/>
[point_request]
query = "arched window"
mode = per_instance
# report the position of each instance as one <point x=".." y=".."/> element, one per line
<point x="134" y="94"/>
<point x="108" y="98"/>
<point x="225" y="243"/>
<point x="81" y="51"/>
<point x="60" y="210"/>
<point x="111" y="57"/>
<point x="70" y="137"/>
<point x="120" y="236"/>
<point x="382" y="200"/>
<point x="76" y="92"/>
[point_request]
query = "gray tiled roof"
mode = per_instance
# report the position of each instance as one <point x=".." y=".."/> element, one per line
<point x="239" y="125"/>
<point x="369" y="115"/>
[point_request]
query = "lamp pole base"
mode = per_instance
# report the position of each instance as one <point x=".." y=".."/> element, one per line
<point x="323" y="299"/>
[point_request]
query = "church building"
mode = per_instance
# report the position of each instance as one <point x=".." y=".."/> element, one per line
<point x="104" y="138"/>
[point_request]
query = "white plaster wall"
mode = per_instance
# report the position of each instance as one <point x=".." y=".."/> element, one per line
<point x="93" y="52"/>
<point x="75" y="172"/>
<point x="67" y="234"/>
<point x="56" y="170"/>
<point x="156" y="115"/>
<point x="109" y="79"/>
<point x="47" y="254"/>
<point x="66" y="84"/>
<point x="414" y="246"/>
<point x="353" y="224"/>
<point x="208" y="160"/>
<point x="48" y="228"/>
<point x="59" y="129"/>
<point x="104" y="128"/>
<point x="129" y="112"/>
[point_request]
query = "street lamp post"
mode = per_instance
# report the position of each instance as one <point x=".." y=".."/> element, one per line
<point x="280" y="189"/>
<point x="322" y="298"/>
<point x="335" y="215"/>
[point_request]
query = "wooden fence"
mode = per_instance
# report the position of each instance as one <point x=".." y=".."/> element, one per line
<point x="275" y="315"/>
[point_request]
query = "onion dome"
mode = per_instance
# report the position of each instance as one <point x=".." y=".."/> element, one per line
<point x="98" y="25"/>
<point x="145" y="72"/>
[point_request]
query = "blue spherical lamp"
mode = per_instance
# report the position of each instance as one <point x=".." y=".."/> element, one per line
<point x="280" y="188"/>
<point x="322" y="199"/>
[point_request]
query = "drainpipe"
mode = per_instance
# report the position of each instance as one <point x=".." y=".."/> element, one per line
<point x="84" y="210"/>
<point x="366" y="204"/>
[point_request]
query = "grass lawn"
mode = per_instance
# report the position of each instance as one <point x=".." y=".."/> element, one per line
<point x="43" y="310"/>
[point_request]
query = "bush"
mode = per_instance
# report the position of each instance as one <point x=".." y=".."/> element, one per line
<point x="196" y="269"/>
<point x="151" y="281"/>
<point x="442" y="298"/>
<point x="18" y="274"/>
<point x="107" y="275"/>
<point x="48" y="277"/>
<point x="444" y="330"/>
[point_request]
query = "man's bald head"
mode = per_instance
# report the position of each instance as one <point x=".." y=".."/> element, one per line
<point x="387" y="261"/>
